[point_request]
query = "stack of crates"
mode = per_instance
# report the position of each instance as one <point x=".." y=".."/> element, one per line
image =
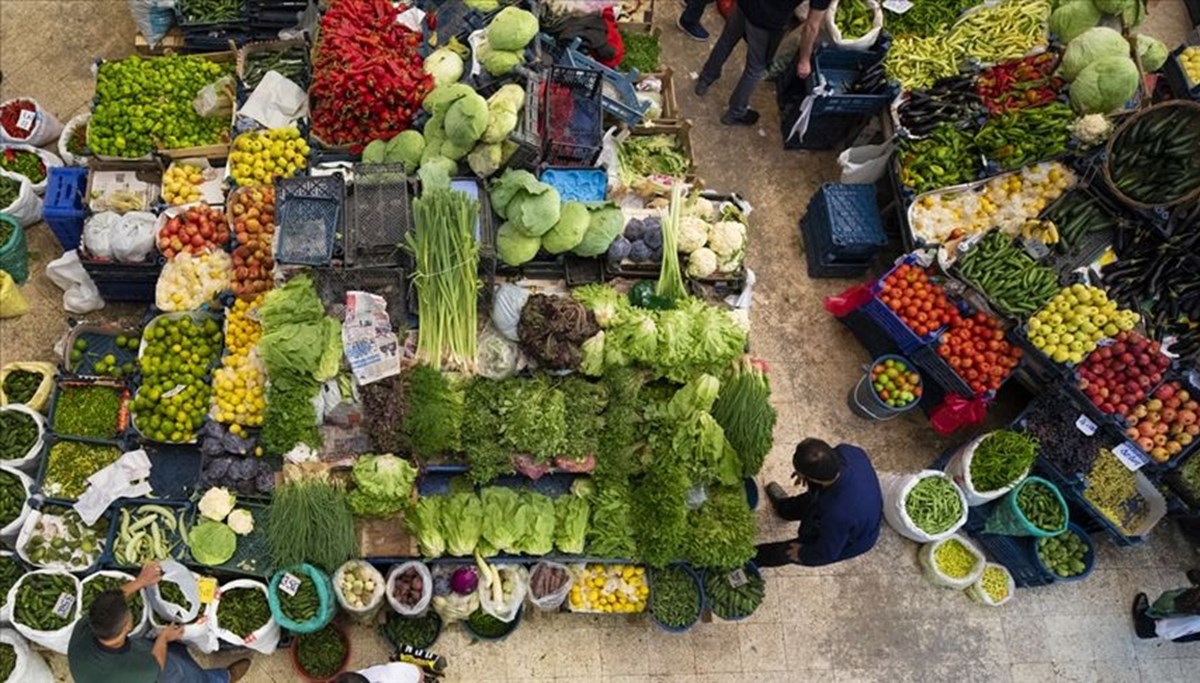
<point x="65" y="206"/>
<point x="841" y="231"/>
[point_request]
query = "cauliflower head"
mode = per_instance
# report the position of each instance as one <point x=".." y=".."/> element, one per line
<point x="693" y="233"/>
<point x="727" y="238"/>
<point x="702" y="262"/>
<point x="1092" y="129"/>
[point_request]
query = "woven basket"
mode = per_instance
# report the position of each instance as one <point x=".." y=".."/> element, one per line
<point x="1107" y="166"/>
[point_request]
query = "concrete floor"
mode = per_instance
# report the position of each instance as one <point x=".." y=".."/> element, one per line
<point x="870" y="619"/>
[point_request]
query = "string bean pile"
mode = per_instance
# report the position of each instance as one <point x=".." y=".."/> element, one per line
<point x="674" y="597"/>
<point x="1001" y="458"/>
<point x="289" y="62"/>
<point x="933" y="504"/>
<point x="321" y="654"/>
<point x="1042" y="507"/>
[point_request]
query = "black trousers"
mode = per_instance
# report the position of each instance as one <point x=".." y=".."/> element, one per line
<point x="792" y="509"/>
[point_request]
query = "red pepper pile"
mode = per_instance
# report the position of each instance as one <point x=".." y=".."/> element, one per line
<point x="368" y="79"/>
<point x="11" y="113"/>
<point x="1020" y="84"/>
<point x="977" y="350"/>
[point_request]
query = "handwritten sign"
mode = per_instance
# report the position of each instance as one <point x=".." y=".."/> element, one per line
<point x="289" y="584"/>
<point x="26" y="120"/>
<point x="1085" y="425"/>
<point x="62" y="607"/>
<point x="1130" y="456"/>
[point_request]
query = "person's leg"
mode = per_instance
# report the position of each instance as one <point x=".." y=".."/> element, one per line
<point x="689" y="20"/>
<point x="773" y="554"/>
<point x="794" y="508"/>
<point x="760" y="46"/>
<point x="735" y="29"/>
<point x="1143" y="625"/>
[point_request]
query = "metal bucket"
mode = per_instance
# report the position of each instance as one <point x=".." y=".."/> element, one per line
<point x="865" y="403"/>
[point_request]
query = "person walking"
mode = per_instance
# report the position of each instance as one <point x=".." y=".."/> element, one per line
<point x="761" y="23"/>
<point x="689" y="19"/>
<point x="1174" y="616"/>
<point x="840" y="512"/>
<point x="101" y="651"/>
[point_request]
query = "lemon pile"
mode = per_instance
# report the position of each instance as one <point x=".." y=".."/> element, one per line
<point x="181" y="184"/>
<point x="239" y="383"/>
<point x="260" y="156"/>
<point x="610" y="588"/>
<point x="1190" y="60"/>
<point x="1072" y="323"/>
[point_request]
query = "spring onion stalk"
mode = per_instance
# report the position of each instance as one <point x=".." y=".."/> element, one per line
<point x="447" y="259"/>
<point x="670" y="280"/>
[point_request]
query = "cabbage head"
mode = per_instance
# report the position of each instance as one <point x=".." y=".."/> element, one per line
<point x="508" y="185"/>
<point x="1073" y="18"/>
<point x="212" y="543"/>
<point x="1114" y="6"/>
<point x="1091" y="45"/>
<point x="435" y="173"/>
<point x="534" y="214"/>
<point x="501" y="122"/>
<point x="514" y="247"/>
<point x="466" y="119"/>
<point x="1152" y="52"/>
<point x="484" y="160"/>
<point x="444" y="65"/>
<point x="510" y="97"/>
<point x="604" y="225"/>
<point x="499" y="62"/>
<point x="440" y="98"/>
<point x="1104" y="86"/>
<point x="568" y="232"/>
<point x="406" y="148"/>
<point x="512" y="29"/>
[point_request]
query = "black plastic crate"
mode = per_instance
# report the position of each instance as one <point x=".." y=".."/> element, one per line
<point x="935" y="368"/>
<point x="817" y="267"/>
<point x="824" y="132"/>
<point x="101" y="340"/>
<point x="844" y="220"/>
<point x="174" y="469"/>
<point x="173" y="539"/>
<point x="390" y="283"/>
<point x="1177" y="78"/>
<point x="380" y="215"/>
<point x="1010" y="551"/>
<point x="124" y="281"/>
<point x="309" y="217"/>
<point x="1174" y="480"/>
<point x="572" y="124"/>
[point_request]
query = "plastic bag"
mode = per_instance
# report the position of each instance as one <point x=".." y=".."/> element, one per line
<point x="421" y="605"/>
<point x="8" y="534"/>
<point x="977" y="593"/>
<point x="49" y="160"/>
<point x="216" y="98"/>
<point x="957" y="412"/>
<point x="938" y="577"/>
<point x="39" y="127"/>
<point x="364" y="613"/>
<point x="65" y="139"/>
<point x="98" y="233"/>
<point x="504" y="610"/>
<point x="959" y="467"/>
<point x="326" y="604"/>
<point x="51" y="520"/>
<point x="850" y="300"/>
<point x="451" y="606"/>
<point x="27" y="463"/>
<point x="507" y="305"/>
<point x="861" y="43"/>
<point x="30" y="666"/>
<point x="141" y="622"/>
<point x="27" y="207"/>
<point x="895" y="490"/>
<point x="263" y="639"/>
<point x="12" y="302"/>
<point x="133" y="238"/>
<point x="550" y="601"/>
<point x="154" y="18"/>
<point x="865" y="164"/>
<point x="1007" y="518"/>
<point x="41" y="397"/>
<point x="58" y="639"/>
<point x="183" y="577"/>
<point x="80" y="295"/>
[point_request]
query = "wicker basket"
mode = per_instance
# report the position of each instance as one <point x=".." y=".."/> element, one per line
<point x="1107" y="166"/>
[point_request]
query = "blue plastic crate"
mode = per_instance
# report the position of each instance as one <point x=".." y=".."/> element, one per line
<point x="817" y="267"/>
<point x="845" y="221"/>
<point x="65" y="206"/>
<point x="838" y="70"/>
<point x="895" y="328"/>
<point x="577" y="184"/>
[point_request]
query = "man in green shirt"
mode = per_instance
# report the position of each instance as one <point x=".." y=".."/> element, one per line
<point x="101" y="650"/>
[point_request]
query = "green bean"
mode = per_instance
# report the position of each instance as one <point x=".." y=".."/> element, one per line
<point x="933" y="504"/>
<point x="301" y="607"/>
<point x="321" y="654"/>
<point x="243" y="610"/>
<point x="170" y="592"/>
<point x="674" y="596"/>
<point x="209" y="11"/>
<point x="419" y="632"/>
<point x="1001" y="458"/>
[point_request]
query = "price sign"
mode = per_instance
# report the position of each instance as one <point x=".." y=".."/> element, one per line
<point x="289" y="584"/>
<point x="62" y="607"/>
<point x="897" y="6"/>
<point x="1130" y="456"/>
<point x="1085" y="425"/>
<point x="207" y="586"/>
<point x="26" y="120"/>
<point x="1037" y="250"/>
<point x="737" y="578"/>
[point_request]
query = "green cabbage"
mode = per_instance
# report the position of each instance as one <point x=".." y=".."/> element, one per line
<point x="508" y="185"/>
<point x="605" y="224"/>
<point x="499" y="62"/>
<point x="1152" y="52"/>
<point x="1113" y="6"/>
<point x="1104" y="86"/>
<point x="514" y="247"/>
<point x="406" y="148"/>
<point x="568" y="232"/>
<point x="440" y="98"/>
<point x="501" y="122"/>
<point x="1089" y="46"/>
<point x="375" y="152"/>
<point x="445" y="65"/>
<point x="212" y="543"/>
<point x="510" y="97"/>
<point x="1073" y="18"/>
<point x="466" y="119"/>
<point x="435" y="173"/>
<point x="512" y="29"/>
<point x="535" y="214"/>
<point x="484" y="160"/>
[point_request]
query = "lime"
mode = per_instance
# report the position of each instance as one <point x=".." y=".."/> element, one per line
<point x="122" y="341"/>
<point x="81" y="344"/>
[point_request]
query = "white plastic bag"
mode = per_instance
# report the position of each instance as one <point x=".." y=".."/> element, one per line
<point x="141" y="621"/>
<point x="64" y="140"/>
<point x="49" y="159"/>
<point x="154" y="18"/>
<point x="98" y="232"/>
<point x="5" y="608"/>
<point x="364" y="613"/>
<point x="56" y="640"/>
<point x="865" y="164"/>
<point x="507" y="304"/>
<point x="1171" y="628"/>
<point x="47" y="523"/>
<point x="133" y="238"/>
<point x="263" y="639"/>
<point x="27" y="207"/>
<point x="197" y="628"/>
<point x="938" y="577"/>
<point x="216" y="98"/>
<point x="959" y="468"/>
<point x="426" y="589"/>
<point x="27" y="463"/>
<point x="504" y="610"/>
<point x="38" y="127"/>
<point x="977" y="592"/>
<point x="31" y="666"/>
<point x="80" y="295"/>
<point x="8" y="534"/>
<point x="860" y="43"/>
<point x="551" y="601"/>
<point x="895" y="490"/>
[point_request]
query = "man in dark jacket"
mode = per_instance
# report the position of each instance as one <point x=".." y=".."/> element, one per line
<point x="761" y="23"/>
<point x="839" y="514"/>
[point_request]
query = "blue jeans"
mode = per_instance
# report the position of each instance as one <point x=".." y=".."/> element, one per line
<point x="693" y="10"/>
<point x="182" y="668"/>
<point x="761" y="44"/>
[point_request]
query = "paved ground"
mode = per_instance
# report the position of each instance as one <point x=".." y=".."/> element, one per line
<point x="871" y="619"/>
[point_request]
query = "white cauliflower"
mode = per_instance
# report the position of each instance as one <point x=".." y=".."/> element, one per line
<point x="693" y="233"/>
<point x="727" y="238"/>
<point x="731" y="265"/>
<point x="702" y="263"/>
<point x="700" y="208"/>
<point x="1092" y="129"/>
<point x="217" y="503"/>
<point x="241" y="522"/>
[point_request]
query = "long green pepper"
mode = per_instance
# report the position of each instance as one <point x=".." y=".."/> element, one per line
<point x="674" y="596"/>
<point x="243" y="610"/>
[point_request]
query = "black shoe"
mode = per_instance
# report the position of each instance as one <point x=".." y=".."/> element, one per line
<point x="1193" y="575"/>
<point x="1143" y="625"/>
<point x="702" y="87"/>
<point x="694" y="31"/>
<point x="748" y="118"/>
<point x="775" y="492"/>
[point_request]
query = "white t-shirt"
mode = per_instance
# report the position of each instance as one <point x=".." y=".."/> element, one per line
<point x="394" y="672"/>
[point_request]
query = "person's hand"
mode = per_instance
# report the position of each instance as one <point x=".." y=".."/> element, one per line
<point x="172" y="633"/>
<point x="793" y="552"/>
<point x="803" y="68"/>
<point x="151" y="574"/>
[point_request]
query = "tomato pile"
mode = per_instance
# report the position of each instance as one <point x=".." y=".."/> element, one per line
<point x="976" y="349"/>
<point x="918" y="301"/>
<point x="196" y="230"/>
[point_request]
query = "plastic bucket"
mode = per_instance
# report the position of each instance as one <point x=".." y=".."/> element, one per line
<point x="512" y="626"/>
<point x="295" y="648"/>
<point x="865" y="403"/>
<point x="422" y="645"/>
<point x="1007" y="518"/>
<point x="1089" y="557"/>
<point x="751" y="492"/>
<point x="14" y="253"/>
<point x="699" y="590"/>
<point x="751" y="571"/>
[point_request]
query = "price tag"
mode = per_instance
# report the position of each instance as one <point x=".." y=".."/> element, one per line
<point x="1131" y="456"/>
<point x="1037" y="250"/>
<point x="62" y="607"/>
<point x="289" y="584"/>
<point x="207" y="586"/>
<point x="897" y="6"/>
<point x="26" y="120"/>
<point x="1085" y="425"/>
<point x="737" y="578"/>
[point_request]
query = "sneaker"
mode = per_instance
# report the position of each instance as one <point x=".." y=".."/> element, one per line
<point x="775" y="492"/>
<point x="694" y="31"/>
<point x="702" y="87"/>
<point x="748" y="118"/>
<point x="238" y="670"/>
<point x="1193" y="575"/>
